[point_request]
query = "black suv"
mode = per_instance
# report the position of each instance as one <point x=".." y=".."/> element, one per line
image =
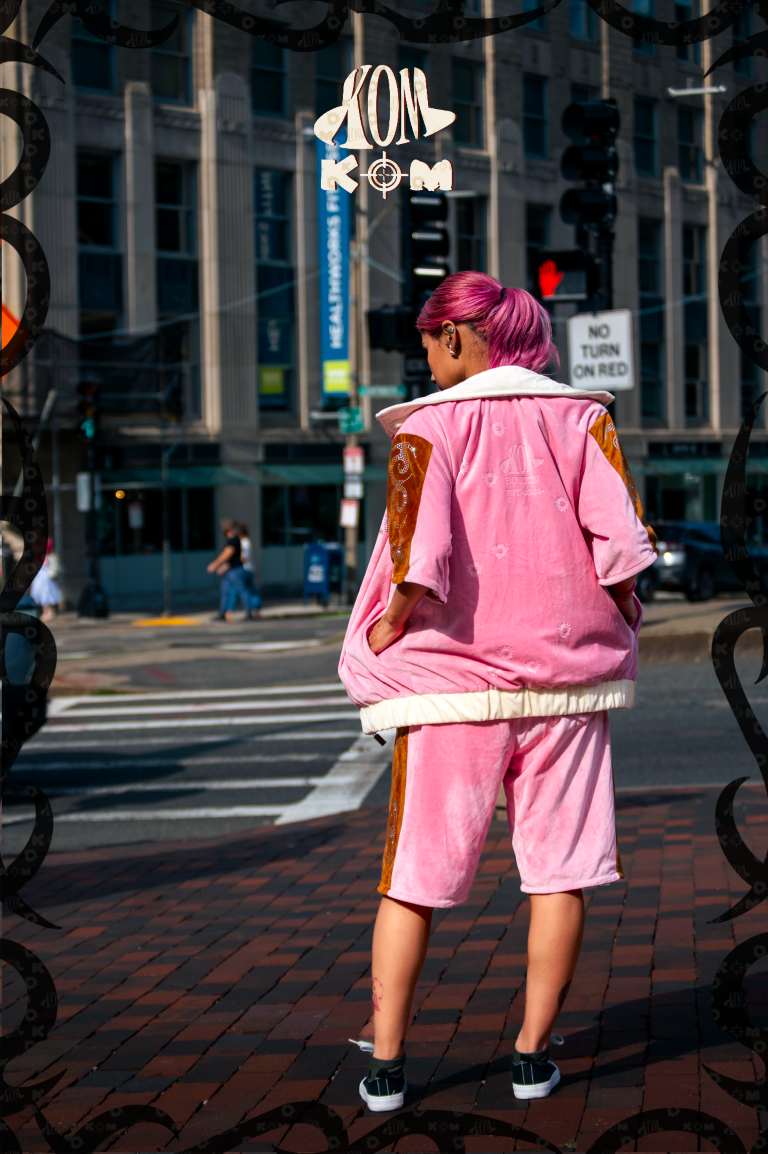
<point x="691" y="561"/>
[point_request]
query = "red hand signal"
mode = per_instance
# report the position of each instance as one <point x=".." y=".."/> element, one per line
<point x="549" y="278"/>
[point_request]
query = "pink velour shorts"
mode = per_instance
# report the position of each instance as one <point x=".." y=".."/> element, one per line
<point x="558" y="779"/>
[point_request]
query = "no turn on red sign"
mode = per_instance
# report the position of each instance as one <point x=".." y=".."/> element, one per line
<point x="600" y="350"/>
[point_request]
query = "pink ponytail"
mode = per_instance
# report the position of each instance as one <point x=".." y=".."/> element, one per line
<point x="515" y="327"/>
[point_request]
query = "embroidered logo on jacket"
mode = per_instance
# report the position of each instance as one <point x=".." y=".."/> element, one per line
<point x="408" y="464"/>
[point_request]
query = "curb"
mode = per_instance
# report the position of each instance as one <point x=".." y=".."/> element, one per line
<point x="668" y="648"/>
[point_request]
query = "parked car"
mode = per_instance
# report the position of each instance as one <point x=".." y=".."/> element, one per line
<point x="691" y="561"/>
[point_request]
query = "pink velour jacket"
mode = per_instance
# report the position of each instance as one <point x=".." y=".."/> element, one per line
<point x="510" y="498"/>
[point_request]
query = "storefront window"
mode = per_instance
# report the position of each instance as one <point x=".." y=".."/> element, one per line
<point x="300" y="514"/>
<point x="132" y="525"/>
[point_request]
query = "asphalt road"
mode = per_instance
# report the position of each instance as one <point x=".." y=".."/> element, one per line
<point x="175" y="737"/>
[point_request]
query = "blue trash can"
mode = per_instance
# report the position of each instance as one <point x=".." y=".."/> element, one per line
<point x="316" y="572"/>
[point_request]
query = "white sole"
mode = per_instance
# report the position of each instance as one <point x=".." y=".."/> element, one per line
<point x="379" y="1105"/>
<point x="540" y="1091"/>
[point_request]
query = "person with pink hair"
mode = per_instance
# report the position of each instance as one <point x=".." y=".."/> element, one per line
<point x="495" y="627"/>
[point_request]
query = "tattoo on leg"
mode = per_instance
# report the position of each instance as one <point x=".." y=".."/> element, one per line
<point x="377" y="991"/>
<point x="563" y="995"/>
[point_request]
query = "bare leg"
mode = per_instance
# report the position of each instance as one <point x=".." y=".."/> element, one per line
<point x="554" y="941"/>
<point x="400" y="940"/>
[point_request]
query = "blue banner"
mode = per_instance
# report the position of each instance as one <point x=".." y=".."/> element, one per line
<point x="333" y="215"/>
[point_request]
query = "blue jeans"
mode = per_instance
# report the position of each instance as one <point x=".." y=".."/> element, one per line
<point x="239" y="583"/>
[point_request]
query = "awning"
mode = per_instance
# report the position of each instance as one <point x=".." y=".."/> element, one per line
<point x="313" y="474"/>
<point x="191" y="477"/>
<point x="213" y="476"/>
<point x="698" y="466"/>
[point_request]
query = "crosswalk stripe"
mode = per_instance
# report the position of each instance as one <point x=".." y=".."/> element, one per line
<point x="205" y="707"/>
<point x="165" y="762"/>
<point x="341" y="790"/>
<point x="189" y="786"/>
<point x="100" y="815"/>
<point x="60" y="703"/>
<point x="46" y="737"/>
<point x="199" y="722"/>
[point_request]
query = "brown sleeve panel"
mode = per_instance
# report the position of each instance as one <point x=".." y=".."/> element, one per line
<point x="604" y="432"/>
<point x="396" y="802"/>
<point x="408" y="464"/>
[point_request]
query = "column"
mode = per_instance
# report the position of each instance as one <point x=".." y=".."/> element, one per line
<point x="227" y="280"/>
<point x="50" y="212"/>
<point x="140" y="284"/>
<point x="673" y="295"/>
<point x="512" y="262"/>
<point x="628" y="404"/>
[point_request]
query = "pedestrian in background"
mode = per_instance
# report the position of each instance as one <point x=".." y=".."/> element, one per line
<point x="45" y="590"/>
<point x="249" y="579"/>
<point x="229" y="566"/>
<point x="512" y="538"/>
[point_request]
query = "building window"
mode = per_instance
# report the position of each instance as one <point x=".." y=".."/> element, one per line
<point x="742" y="28"/>
<point x="645" y="47"/>
<point x="470" y="233"/>
<point x="689" y="126"/>
<point x="410" y="57"/>
<point x="175" y="208"/>
<point x="695" y="326"/>
<point x="177" y="277"/>
<point x="268" y="79"/>
<point x="584" y="93"/>
<point x="690" y="53"/>
<point x="646" y="138"/>
<point x="171" y="59"/>
<point x="93" y="61"/>
<point x="651" y="320"/>
<point x="299" y="514"/>
<point x="535" y="135"/>
<point x="99" y="264"/>
<point x="468" y="102"/>
<point x="582" y="21"/>
<point x="540" y="24"/>
<point x="538" y="219"/>
<point x="274" y="287"/>
<point x="331" y="68"/>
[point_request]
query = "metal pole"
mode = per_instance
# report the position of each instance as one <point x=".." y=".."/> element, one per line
<point x="166" y="533"/>
<point x="302" y="118"/>
<point x="56" y="486"/>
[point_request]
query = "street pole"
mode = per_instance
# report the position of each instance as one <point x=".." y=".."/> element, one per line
<point x="351" y="532"/>
<point x="166" y="533"/>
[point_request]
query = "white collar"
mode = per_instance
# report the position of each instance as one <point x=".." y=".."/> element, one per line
<point x="504" y="381"/>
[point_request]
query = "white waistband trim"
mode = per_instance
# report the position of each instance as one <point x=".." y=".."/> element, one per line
<point x="495" y="705"/>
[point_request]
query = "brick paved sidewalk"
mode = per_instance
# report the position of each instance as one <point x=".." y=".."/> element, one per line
<point x="219" y="979"/>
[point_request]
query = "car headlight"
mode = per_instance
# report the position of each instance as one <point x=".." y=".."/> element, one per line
<point x="672" y="557"/>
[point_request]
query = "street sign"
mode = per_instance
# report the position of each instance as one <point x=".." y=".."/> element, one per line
<point x="354" y="461"/>
<point x="382" y="391"/>
<point x="354" y="488"/>
<point x="349" y="513"/>
<point x="350" y="420"/>
<point x="600" y="350"/>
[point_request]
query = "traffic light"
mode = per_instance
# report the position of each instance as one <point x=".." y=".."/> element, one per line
<point x="425" y="246"/>
<point x="88" y="408"/>
<point x="565" y="275"/>
<point x="593" y="160"/>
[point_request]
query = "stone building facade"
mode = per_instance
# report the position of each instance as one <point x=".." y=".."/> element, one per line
<point x="180" y="205"/>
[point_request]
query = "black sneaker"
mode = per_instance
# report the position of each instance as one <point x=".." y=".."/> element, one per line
<point x="386" y="1092"/>
<point x="534" y="1075"/>
<point x="385" y="1086"/>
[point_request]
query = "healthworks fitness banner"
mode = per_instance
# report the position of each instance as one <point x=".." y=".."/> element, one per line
<point x="333" y="250"/>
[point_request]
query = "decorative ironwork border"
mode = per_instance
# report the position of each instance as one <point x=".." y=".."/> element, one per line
<point x="28" y="512"/>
